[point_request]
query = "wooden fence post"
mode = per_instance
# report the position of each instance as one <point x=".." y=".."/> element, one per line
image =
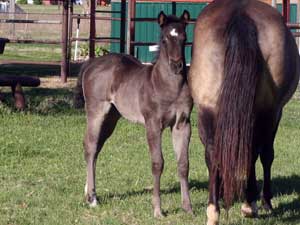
<point x="92" y="28"/>
<point x="64" y="41"/>
<point x="70" y="31"/>
<point x="12" y="10"/>
<point x="131" y="26"/>
<point x="286" y="10"/>
<point x="123" y="26"/>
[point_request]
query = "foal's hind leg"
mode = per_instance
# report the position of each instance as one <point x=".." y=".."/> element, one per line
<point x="154" y="132"/>
<point x="181" y="133"/>
<point x="101" y="121"/>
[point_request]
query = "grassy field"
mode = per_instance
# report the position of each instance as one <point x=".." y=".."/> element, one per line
<point x="44" y="52"/>
<point x="32" y="52"/>
<point x="42" y="170"/>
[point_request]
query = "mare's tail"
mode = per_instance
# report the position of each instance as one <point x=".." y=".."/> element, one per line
<point x="78" y="98"/>
<point x="235" y="122"/>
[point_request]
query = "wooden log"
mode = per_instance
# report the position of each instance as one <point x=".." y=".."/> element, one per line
<point x="1" y="97"/>
<point x="18" y="96"/>
<point x="3" y="41"/>
<point x="25" y="81"/>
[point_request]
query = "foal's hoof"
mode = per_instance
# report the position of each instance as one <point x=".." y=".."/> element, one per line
<point x="91" y="201"/>
<point x="188" y="209"/>
<point x="249" y="211"/>
<point x="158" y="214"/>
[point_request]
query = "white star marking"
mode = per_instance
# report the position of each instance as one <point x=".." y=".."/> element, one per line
<point x="174" y="33"/>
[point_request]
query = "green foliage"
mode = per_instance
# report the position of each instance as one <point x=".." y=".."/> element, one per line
<point x="31" y="52"/>
<point x="37" y="2"/>
<point x="22" y="2"/>
<point x="99" y="50"/>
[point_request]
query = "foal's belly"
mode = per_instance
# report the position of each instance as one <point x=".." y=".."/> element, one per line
<point x="128" y="107"/>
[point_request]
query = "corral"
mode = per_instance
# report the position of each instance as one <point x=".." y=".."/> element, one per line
<point x="42" y="168"/>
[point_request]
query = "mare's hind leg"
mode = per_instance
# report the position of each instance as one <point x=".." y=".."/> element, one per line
<point x="249" y="208"/>
<point x="267" y="157"/>
<point x="206" y="128"/>
<point x="181" y="133"/>
<point x="101" y="121"/>
<point x="154" y="133"/>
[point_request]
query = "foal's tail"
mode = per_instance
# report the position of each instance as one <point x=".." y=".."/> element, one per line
<point x="78" y="98"/>
<point x="235" y="123"/>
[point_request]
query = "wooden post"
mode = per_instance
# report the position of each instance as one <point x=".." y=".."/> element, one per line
<point x="70" y="31"/>
<point x="131" y="26"/>
<point x="12" y="10"/>
<point x="18" y="96"/>
<point x="123" y="26"/>
<point x="64" y="41"/>
<point x="92" y="28"/>
<point x="286" y="10"/>
<point x="174" y="8"/>
<point x="298" y="21"/>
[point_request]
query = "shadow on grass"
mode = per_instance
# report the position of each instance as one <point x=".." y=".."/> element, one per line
<point x="36" y="70"/>
<point x="286" y="185"/>
<point x="282" y="186"/>
<point x="287" y="212"/>
<point x="174" y="188"/>
<point x="45" y="101"/>
<point x="293" y="207"/>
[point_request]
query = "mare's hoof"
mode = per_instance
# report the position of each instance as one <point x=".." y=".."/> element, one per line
<point x="267" y="206"/>
<point x="211" y="222"/>
<point x="158" y="214"/>
<point x="212" y="215"/>
<point x="249" y="211"/>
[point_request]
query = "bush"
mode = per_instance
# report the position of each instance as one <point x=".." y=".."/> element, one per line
<point x="22" y="2"/>
<point x="37" y="2"/>
<point x="99" y="50"/>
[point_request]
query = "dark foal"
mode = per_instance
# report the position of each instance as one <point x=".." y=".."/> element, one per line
<point x="156" y="96"/>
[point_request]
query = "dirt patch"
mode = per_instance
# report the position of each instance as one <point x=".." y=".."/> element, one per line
<point x="55" y="82"/>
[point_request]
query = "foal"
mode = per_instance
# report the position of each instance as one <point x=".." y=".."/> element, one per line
<point x="156" y="96"/>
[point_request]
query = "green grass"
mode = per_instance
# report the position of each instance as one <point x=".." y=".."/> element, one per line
<point x="52" y="9"/>
<point x="32" y="52"/>
<point x="42" y="170"/>
<point x="46" y="52"/>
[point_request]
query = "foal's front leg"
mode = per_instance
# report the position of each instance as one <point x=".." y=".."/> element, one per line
<point x="181" y="133"/>
<point x="154" y="141"/>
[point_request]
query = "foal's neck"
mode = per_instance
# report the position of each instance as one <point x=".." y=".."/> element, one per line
<point x="162" y="71"/>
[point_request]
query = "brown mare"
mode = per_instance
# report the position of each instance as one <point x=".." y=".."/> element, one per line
<point x="245" y="68"/>
<point x="155" y="96"/>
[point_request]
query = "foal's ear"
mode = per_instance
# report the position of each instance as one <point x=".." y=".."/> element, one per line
<point x="185" y="17"/>
<point x="161" y="19"/>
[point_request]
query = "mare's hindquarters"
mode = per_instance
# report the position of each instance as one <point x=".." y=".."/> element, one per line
<point x="239" y="82"/>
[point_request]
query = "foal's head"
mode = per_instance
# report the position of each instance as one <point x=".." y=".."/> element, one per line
<point x="173" y="38"/>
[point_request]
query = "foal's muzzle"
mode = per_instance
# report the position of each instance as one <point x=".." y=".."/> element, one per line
<point x="176" y="66"/>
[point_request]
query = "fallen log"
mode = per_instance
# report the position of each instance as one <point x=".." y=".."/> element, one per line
<point x="16" y="83"/>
